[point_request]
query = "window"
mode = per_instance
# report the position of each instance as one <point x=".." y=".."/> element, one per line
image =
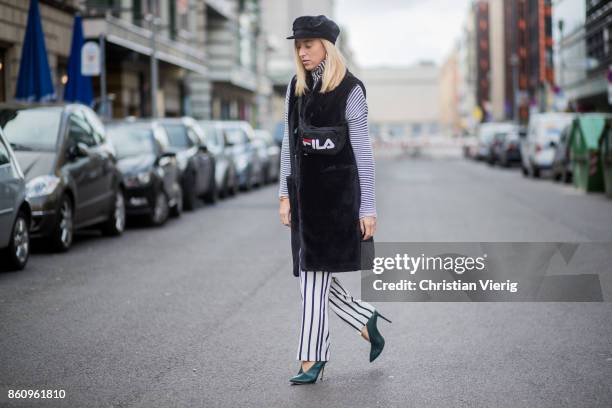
<point x="172" y="19"/>
<point x="132" y="141"/>
<point x="162" y="138"/>
<point x="4" y="154"/>
<point x="236" y="136"/>
<point x="183" y="15"/>
<point x="197" y="132"/>
<point x="177" y="136"/>
<point x="79" y="131"/>
<point x="100" y="6"/>
<point x="61" y="76"/>
<point x="31" y="128"/>
<point x="96" y="125"/>
<point x="2" y="74"/>
<point x="137" y="12"/>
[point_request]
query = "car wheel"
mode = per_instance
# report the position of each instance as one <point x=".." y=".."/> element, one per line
<point x="63" y="231"/>
<point x="177" y="208"/>
<point x="225" y="187"/>
<point x="248" y="184"/>
<point x="212" y="195"/>
<point x="535" y="171"/>
<point x="115" y="225"/>
<point x="234" y="188"/>
<point x="189" y="192"/>
<point x="161" y="209"/>
<point x="504" y="162"/>
<point x="258" y="178"/>
<point x="265" y="178"/>
<point x="18" y="250"/>
<point x="567" y="177"/>
<point x="524" y="170"/>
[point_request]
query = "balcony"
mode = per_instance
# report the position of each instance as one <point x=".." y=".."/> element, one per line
<point x="130" y="36"/>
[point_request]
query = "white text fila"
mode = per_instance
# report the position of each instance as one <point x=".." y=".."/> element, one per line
<point x="314" y="143"/>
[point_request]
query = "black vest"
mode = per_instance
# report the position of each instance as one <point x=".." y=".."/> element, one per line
<point x="324" y="191"/>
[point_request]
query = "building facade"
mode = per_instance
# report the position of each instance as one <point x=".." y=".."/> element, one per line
<point x="497" y="75"/>
<point x="131" y="31"/>
<point x="598" y="33"/>
<point x="210" y="56"/>
<point x="403" y="101"/>
<point x="468" y="111"/>
<point x="57" y="20"/>
<point x="449" y="94"/>
<point x="483" y="58"/>
<point x="570" y="58"/>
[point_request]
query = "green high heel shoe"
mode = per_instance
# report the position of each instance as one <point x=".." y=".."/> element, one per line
<point x="377" y="341"/>
<point x="310" y="376"/>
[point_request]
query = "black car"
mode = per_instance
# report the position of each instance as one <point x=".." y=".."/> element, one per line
<point x="196" y="163"/>
<point x="72" y="179"/>
<point x="226" y="176"/>
<point x="561" y="166"/>
<point x="150" y="173"/>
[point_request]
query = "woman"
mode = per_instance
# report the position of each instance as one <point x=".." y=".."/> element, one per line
<point x="326" y="190"/>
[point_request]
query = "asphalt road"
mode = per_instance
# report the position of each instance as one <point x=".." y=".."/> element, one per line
<point x="204" y="312"/>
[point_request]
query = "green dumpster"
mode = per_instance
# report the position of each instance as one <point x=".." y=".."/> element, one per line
<point x="605" y="149"/>
<point x="587" y="130"/>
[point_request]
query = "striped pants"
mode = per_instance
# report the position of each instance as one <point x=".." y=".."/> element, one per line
<point x="320" y="289"/>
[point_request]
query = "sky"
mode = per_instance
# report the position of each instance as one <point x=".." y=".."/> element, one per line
<point x="400" y="32"/>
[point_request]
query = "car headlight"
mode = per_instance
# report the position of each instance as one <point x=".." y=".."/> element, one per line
<point x="242" y="162"/>
<point x="138" y="180"/>
<point x="144" y="177"/>
<point x="41" y="186"/>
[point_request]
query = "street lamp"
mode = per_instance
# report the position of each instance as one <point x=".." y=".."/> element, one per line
<point x="154" y="23"/>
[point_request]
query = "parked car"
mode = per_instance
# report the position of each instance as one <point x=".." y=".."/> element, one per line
<point x="561" y="166"/>
<point x="538" y="147"/>
<point x="150" y="173"/>
<point x="225" y="171"/>
<point x="72" y="179"/>
<point x="15" y="213"/>
<point x="279" y="133"/>
<point x="270" y="152"/>
<point x="486" y="135"/>
<point x="469" y="144"/>
<point x="249" y="166"/>
<point x="196" y="162"/>
<point x="506" y="147"/>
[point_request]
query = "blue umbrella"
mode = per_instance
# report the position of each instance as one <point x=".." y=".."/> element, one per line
<point x="34" y="81"/>
<point x="78" y="88"/>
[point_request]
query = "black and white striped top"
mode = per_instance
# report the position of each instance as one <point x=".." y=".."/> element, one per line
<point x="357" y="118"/>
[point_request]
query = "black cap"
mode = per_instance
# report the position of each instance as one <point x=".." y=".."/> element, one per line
<point x="315" y="27"/>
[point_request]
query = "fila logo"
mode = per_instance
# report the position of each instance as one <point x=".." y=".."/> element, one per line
<point x="314" y="143"/>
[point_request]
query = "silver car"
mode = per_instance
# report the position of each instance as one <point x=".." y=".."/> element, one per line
<point x="271" y="155"/>
<point x="15" y="211"/>
<point x="538" y="147"/>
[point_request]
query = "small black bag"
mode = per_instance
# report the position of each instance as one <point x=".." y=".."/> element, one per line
<point x="327" y="140"/>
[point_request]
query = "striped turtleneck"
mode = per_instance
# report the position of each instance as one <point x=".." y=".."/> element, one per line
<point x="357" y="118"/>
<point x="317" y="72"/>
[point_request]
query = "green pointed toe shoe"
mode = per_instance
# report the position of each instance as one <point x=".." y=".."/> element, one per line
<point x="377" y="341"/>
<point x="310" y="376"/>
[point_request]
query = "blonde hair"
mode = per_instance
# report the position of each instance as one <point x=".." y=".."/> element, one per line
<point x="333" y="73"/>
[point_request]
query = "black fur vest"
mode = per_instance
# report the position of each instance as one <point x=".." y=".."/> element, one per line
<point x="324" y="191"/>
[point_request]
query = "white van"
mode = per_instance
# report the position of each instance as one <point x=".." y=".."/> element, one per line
<point x="538" y="146"/>
<point x="485" y="135"/>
